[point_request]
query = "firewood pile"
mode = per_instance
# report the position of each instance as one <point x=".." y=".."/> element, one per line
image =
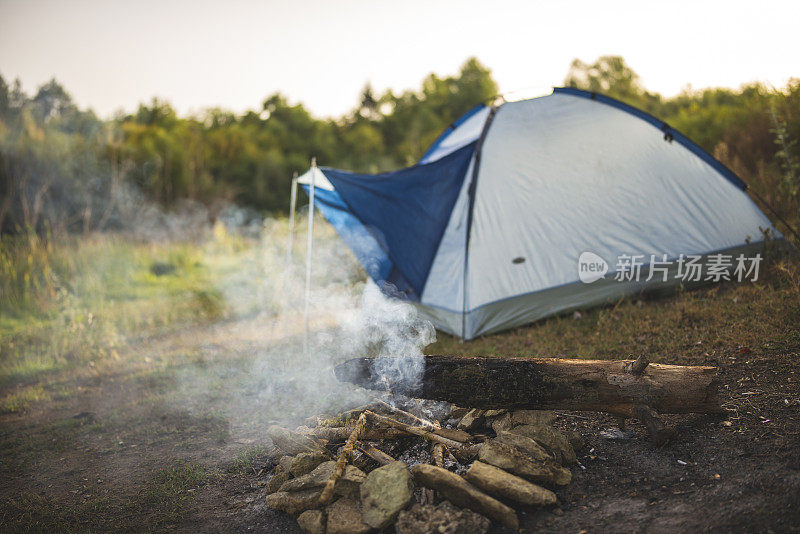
<point x="418" y="466"/>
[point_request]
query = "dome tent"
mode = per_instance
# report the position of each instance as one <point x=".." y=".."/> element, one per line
<point x="489" y="230"/>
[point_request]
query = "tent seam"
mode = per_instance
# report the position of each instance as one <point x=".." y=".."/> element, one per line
<point x="471" y="191"/>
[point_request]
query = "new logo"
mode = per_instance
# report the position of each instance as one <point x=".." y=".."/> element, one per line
<point x="591" y="267"/>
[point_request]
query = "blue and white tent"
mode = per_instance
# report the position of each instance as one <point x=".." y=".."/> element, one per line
<point x="485" y="233"/>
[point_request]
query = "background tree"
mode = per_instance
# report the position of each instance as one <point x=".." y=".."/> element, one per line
<point x="63" y="168"/>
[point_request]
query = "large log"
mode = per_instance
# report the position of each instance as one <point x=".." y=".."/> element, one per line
<point x="614" y="386"/>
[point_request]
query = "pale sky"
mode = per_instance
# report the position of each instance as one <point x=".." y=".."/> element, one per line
<point x="196" y="54"/>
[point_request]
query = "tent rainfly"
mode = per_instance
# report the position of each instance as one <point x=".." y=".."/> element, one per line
<point x="491" y="228"/>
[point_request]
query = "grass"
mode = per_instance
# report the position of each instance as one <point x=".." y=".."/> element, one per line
<point x="166" y="497"/>
<point x="248" y="458"/>
<point x="16" y="401"/>
<point x="689" y="326"/>
<point x="163" y="501"/>
<point x="70" y="304"/>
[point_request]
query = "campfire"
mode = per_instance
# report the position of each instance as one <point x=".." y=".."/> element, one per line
<point x="424" y="464"/>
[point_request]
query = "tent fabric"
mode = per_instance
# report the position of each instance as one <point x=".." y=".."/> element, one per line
<point x="446" y="277"/>
<point x="591" y="177"/>
<point x="665" y="128"/>
<point x="406" y="211"/>
<point x="485" y="232"/>
<point x="319" y="179"/>
<point x="364" y="246"/>
<point x="464" y="131"/>
<point x="526" y="308"/>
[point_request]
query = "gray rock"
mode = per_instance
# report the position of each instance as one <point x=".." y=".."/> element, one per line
<point x="518" y="462"/>
<point x="344" y="517"/>
<point x="347" y="485"/>
<point x="467" y="453"/>
<point x="494" y="413"/>
<point x="502" y="422"/>
<point x="532" y="417"/>
<point x="312" y="521"/>
<point x="472" y="420"/>
<point x="551" y="439"/>
<point x="457" y="412"/>
<point x="286" y="462"/>
<point x="279" y="477"/>
<point x="305" y="462"/>
<point x="526" y="444"/>
<point x="292" y="442"/>
<point x="508" y="487"/>
<point x="441" y="519"/>
<point x="296" y="502"/>
<point x="460" y="492"/>
<point x="385" y="492"/>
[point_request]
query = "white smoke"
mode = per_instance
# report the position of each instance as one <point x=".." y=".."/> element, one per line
<point x="288" y="379"/>
<point x="248" y="365"/>
<point x="394" y="333"/>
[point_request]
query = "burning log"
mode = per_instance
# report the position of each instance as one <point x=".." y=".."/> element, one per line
<point x="614" y="386"/>
<point x="624" y="388"/>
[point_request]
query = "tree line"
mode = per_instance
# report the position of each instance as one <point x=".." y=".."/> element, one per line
<point x="63" y="168"/>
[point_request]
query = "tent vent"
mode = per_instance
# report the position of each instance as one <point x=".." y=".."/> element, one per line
<point x="668" y="137"/>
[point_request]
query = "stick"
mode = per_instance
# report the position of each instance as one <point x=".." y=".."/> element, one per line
<point x="416" y="430"/>
<point x="437" y="455"/>
<point x="436" y="428"/>
<point x="407" y="414"/>
<point x="461" y="451"/>
<point x="341" y="463"/>
<point x="437" y="459"/>
<point x="341" y="433"/>
<point x="377" y="455"/>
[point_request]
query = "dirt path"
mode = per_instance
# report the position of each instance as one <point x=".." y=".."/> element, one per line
<point x="141" y="444"/>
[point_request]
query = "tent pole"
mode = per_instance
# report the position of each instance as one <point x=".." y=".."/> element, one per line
<point x="290" y="245"/>
<point x="309" y="249"/>
<point x="292" y="206"/>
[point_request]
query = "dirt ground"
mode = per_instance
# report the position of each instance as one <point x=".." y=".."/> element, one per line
<point x="118" y="452"/>
<point x="739" y="473"/>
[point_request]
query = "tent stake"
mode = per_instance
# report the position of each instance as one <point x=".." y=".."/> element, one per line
<point x="309" y="249"/>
